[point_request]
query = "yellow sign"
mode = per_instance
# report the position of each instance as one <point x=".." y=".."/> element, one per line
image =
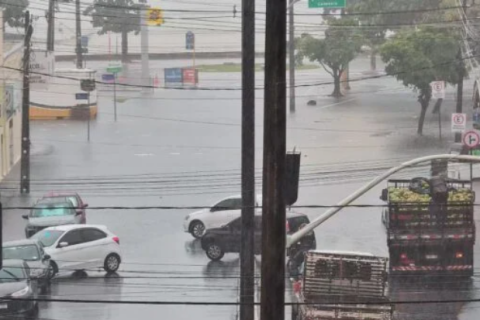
<point x="154" y="17"/>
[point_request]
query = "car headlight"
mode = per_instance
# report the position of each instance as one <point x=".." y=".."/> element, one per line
<point x="21" y="293"/>
<point x="35" y="273"/>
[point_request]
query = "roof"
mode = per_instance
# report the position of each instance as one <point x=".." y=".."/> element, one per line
<point x="53" y="194"/>
<point x="23" y="242"/>
<point x="347" y="253"/>
<point x="68" y="227"/>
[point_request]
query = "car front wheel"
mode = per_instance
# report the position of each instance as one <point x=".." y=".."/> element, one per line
<point x="197" y="229"/>
<point x="112" y="263"/>
<point x="214" y="251"/>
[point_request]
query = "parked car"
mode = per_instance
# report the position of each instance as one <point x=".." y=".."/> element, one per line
<point x="218" y="241"/>
<point x="31" y="251"/>
<point x="215" y="216"/>
<point x="50" y="212"/>
<point x="16" y="285"/>
<point x="75" y="198"/>
<point x="80" y="247"/>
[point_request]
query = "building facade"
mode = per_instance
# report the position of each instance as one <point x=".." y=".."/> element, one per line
<point x="11" y="58"/>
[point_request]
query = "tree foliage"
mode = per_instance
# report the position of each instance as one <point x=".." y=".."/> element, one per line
<point x="340" y="46"/>
<point x="117" y="16"/>
<point x="418" y="57"/>
<point x="14" y="12"/>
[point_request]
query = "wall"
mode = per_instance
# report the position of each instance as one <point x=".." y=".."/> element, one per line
<point x="11" y="101"/>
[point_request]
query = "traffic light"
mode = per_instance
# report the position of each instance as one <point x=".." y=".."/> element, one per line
<point x="155" y="17"/>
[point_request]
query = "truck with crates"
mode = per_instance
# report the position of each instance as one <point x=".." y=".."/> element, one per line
<point x="342" y="286"/>
<point x="430" y="226"/>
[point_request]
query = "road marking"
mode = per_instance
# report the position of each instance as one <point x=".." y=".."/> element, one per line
<point x="336" y="104"/>
<point x="143" y="154"/>
<point x="174" y="153"/>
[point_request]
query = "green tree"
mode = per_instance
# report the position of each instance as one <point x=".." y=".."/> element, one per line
<point x="117" y="16"/>
<point x="340" y="46"/>
<point x="14" y="12"/>
<point x="418" y="57"/>
<point x="374" y="36"/>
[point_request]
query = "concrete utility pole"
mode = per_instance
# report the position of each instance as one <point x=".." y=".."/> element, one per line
<point x="51" y="26"/>
<point x="294" y="238"/>
<point x="461" y="75"/>
<point x="78" y="35"/>
<point x="247" y="257"/>
<point x="274" y="148"/>
<point x="25" y="161"/>
<point x="144" y="49"/>
<point x="291" y="54"/>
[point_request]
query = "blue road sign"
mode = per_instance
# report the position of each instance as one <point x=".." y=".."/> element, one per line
<point x="190" y="40"/>
<point x="173" y="75"/>
<point x="81" y="96"/>
<point x="84" y="41"/>
<point x="108" y="77"/>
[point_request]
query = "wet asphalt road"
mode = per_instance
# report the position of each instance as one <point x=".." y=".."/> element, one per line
<point x="182" y="148"/>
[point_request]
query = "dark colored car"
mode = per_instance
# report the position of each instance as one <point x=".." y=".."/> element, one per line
<point x="17" y="294"/>
<point x="51" y="212"/>
<point x="227" y="239"/>
<point x="75" y="198"/>
<point x="31" y="251"/>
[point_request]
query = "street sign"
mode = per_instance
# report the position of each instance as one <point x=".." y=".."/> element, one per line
<point x="107" y="77"/>
<point x="173" y="76"/>
<point x="84" y="41"/>
<point x="155" y="17"/>
<point x="81" y="96"/>
<point x="438" y="89"/>
<point x="471" y="139"/>
<point x="459" y="122"/>
<point x="327" y="3"/>
<point x="114" y="69"/>
<point x="190" y="76"/>
<point x="190" y="40"/>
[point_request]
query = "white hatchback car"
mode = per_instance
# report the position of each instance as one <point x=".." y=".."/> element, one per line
<point x="215" y="216"/>
<point x="80" y="247"/>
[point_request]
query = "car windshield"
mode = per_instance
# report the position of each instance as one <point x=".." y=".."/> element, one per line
<point x="53" y="210"/>
<point x="28" y="252"/>
<point x="47" y="237"/>
<point x="12" y="274"/>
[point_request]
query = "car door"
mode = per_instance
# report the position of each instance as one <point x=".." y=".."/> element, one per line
<point x="233" y="236"/>
<point x="97" y="242"/>
<point x="79" y="218"/>
<point x="74" y="256"/>
<point x="222" y="213"/>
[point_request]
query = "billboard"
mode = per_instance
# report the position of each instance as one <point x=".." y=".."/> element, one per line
<point x="41" y="64"/>
<point x="173" y="76"/>
<point x="190" y="76"/>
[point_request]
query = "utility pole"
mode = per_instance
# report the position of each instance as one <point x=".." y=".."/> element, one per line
<point x="247" y="257"/>
<point x="51" y="26"/>
<point x="146" y="83"/>
<point x="25" y="161"/>
<point x="291" y="54"/>
<point x="461" y="75"/>
<point x="78" y="35"/>
<point x="274" y="147"/>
